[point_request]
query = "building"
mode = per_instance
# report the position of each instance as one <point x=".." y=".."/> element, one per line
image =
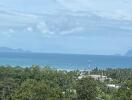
<point x="113" y="86"/>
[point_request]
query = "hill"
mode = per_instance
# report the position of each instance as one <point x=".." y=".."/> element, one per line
<point x="6" y="49"/>
<point x="128" y="53"/>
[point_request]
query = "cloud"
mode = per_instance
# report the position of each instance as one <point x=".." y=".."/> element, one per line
<point x="101" y="24"/>
<point x="29" y="29"/>
<point x="44" y="29"/>
<point x="8" y="33"/>
<point x="71" y="31"/>
<point x="119" y="9"/>
<point x="13" y="18"/>
<point x="11" y="30"/>
<point x="86" y="22"/>
<point x="116" y="9"/>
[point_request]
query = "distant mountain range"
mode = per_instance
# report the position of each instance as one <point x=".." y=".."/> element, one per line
<point x="129" y="53"/>
<point x="11" y="50"/>
<point x="19" y="50"/>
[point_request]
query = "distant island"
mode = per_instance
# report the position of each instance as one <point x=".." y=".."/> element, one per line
<point x="11" y="50"/>
<point x="128" y="53"/>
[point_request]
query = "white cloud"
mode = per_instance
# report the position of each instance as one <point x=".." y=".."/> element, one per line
<point x="74" y="30"/>
<point x="44" y="29"/>
<point x="12" y="18"/>
<point x="116" y="9"/>
<point x="62" y="26"/>
<point x="123" y="14"/>
<point x="29" y="29"/>
<point x="11" y="30"/>
<point x="8" y="33"/>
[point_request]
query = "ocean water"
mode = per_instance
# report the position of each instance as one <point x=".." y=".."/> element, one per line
<point x="65" y="61"/>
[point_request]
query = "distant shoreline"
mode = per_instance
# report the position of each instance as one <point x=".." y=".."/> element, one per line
<point x="65" y="61"/>
<point x="64" y="69"/>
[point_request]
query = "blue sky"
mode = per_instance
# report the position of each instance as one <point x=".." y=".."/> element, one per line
<point x="67" y="26"/>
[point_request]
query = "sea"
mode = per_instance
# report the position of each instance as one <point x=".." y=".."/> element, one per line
<point x="66" y="61"/>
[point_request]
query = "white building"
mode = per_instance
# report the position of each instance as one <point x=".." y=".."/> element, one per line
<point x="113" y="86"/>
<point x="99" y="77"/>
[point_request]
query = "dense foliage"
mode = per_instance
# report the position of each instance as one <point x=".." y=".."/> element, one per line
<point x="37" y="83"/>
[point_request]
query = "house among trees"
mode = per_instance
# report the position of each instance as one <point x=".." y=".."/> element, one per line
<point x="99" y="77"/>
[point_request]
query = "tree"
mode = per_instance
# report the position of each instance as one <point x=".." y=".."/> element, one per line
<point x="37" y="90"/>
<point x="86" y="89"/>
<point x="125" y="92"/>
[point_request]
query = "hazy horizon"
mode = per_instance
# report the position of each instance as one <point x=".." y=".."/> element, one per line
<point x="67" y="26"/>
<point x="20" y="50"/>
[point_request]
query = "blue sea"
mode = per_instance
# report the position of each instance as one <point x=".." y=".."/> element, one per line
<point x="65" y="61"/>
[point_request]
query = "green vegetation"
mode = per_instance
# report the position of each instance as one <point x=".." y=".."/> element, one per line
<point x="86" y="89"/>
<point x="36" y="83"/>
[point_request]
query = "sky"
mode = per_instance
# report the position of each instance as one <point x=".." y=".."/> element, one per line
<point x="102" y="27"/>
